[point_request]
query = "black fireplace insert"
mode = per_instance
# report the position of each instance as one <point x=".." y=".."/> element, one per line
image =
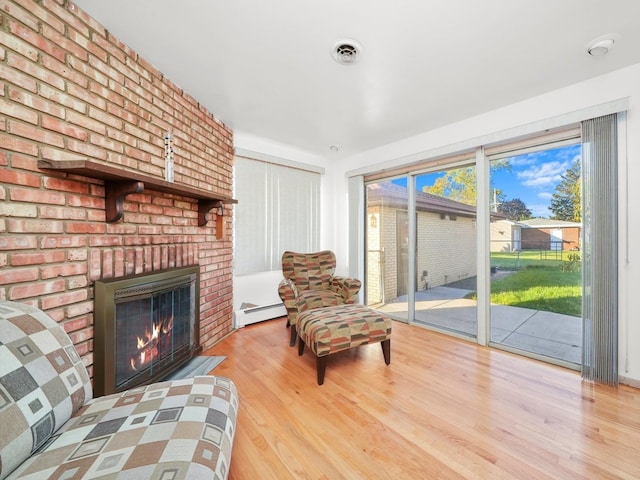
<point x="145" y="327"/>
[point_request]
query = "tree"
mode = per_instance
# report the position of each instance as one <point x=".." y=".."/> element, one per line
<point x="515" y="210"/>
<point x="565" y="201"/>
<point x="459" y="184"/>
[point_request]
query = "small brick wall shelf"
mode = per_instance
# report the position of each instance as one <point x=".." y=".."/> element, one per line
<point x="119" y="183"/>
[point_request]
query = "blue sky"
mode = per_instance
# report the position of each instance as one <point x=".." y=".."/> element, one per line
<point x="533" y="177"/>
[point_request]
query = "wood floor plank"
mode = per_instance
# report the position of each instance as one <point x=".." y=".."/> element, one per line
<point x="444" y="408"/>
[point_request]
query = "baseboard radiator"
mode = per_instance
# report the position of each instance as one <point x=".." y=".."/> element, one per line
<point x="254" y="314"/>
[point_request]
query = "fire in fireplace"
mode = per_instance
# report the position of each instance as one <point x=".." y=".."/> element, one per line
<point x="146" y="326"/>
<point x="150" y="346"/>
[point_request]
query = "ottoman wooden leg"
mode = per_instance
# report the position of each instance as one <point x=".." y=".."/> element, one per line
<point x="300" y="346"/>
<point x="386" y="350"/>
<point x="322" y="367"/>
<point x="294" y="334"/>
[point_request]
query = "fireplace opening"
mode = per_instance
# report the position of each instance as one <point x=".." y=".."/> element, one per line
<point x="146" y="326"/>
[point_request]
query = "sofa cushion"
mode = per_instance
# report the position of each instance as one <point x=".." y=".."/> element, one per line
<point x="180" y="429"/>
<point x="43" y="382"/>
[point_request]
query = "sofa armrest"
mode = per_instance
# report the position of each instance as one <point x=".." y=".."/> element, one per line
<point x="347" y="287"/>
<point x="44" y="382"/>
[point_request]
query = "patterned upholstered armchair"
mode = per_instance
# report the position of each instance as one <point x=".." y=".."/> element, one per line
<point x="309" y="283"/>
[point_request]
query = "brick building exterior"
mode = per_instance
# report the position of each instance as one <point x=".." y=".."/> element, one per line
<point x="535" y="234"/>
<point x="446" y="241"/>
<point x="547" y="234"/>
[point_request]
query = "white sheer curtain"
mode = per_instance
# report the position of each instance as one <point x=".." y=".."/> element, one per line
<point x="278" y="209"/>
<point x="600" y="253"/>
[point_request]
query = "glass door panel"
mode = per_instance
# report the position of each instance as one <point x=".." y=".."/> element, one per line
<point x="446" y="251"/>
<point x="387" y="243"/>
<point x="535" y="232"/>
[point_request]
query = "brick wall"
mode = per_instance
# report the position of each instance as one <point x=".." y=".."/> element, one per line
<point x="541" y="239"/>
<point x="69" y="89"/>
<point x="389" y="241"/>
<point x="446" y="251"/>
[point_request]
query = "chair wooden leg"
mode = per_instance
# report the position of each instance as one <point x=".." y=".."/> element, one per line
<point x="322" y="367"/>
<point x="386" y="350"/>
<point x="300" y="346"/>
<point x="294" y="335"/>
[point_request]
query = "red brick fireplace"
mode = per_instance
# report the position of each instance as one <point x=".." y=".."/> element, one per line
<point x="71" y="92"/>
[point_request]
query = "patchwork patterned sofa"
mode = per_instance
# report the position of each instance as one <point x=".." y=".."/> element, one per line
<point x="50" y="427"/>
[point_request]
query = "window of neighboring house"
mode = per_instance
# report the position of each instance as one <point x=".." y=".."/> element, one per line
<point x="278" y="209"/>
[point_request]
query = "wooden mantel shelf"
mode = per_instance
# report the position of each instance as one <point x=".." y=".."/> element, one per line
<point x="119" y="183"/>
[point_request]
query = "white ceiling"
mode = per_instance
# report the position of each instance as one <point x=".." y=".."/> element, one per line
<point x="264" y="67"/>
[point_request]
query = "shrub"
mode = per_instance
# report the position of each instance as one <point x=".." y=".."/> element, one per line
<point x="573" y="263"/>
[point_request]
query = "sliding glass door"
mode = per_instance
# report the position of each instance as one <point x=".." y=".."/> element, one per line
<point x="492" y="244"/>
<point x="533" y="223"/>
<point x="536" y="253"/>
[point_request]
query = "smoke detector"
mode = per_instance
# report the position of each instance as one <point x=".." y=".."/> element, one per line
<point x="346" y="51"/>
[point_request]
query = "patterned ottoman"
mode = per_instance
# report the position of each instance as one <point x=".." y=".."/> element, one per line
<point x="333" y="329"/>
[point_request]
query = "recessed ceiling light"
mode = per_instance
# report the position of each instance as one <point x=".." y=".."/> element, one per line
<point x="600" y="46"/>
<point x="334" y="148"/>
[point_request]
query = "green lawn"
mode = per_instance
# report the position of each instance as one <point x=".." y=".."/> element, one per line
<point x="526" y="258"/>
<point x="541" y="288"/>
<point x="538" y="281"/>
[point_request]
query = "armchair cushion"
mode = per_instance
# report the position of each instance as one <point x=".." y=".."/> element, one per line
<point x="310" y="299"/>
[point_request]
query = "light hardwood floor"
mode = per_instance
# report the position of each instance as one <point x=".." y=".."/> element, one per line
<point x="444" y="408"/>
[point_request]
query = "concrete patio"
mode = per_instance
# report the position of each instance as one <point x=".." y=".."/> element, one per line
<point x="544" y="333"/>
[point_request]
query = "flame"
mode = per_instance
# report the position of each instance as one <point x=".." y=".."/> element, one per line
<point x="147" y="346"/>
